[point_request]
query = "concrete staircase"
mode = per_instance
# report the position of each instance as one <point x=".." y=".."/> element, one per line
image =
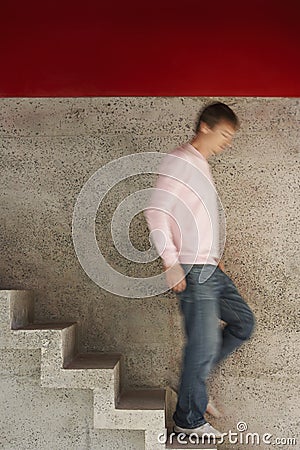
<point x="63" y="367"/>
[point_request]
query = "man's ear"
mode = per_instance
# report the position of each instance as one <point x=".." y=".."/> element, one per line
<point x="204" y="128"/>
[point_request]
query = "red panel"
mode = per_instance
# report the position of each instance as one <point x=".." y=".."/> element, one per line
<point x="195" y="48"/>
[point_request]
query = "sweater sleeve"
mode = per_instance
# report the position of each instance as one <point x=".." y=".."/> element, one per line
<point x="159" y="212"/>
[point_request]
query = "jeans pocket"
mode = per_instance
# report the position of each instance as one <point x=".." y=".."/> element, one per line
<point x="206" y="273"/>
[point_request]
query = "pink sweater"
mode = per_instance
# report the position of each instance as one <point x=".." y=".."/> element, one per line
<point x="183" y="214"/>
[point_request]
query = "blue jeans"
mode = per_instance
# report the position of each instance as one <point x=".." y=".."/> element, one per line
<point x="203" y="303"/>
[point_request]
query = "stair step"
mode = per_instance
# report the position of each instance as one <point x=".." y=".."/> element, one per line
<point x="172" y="442"/>
<point x="142" y="399"/>
<point x="46" y="326"/>
<point x="94" y="360"/>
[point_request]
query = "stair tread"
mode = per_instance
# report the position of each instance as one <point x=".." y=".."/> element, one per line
<point x="94" y="360"/>
<point x="46" y="326"/>
<point x="142" y="399"/>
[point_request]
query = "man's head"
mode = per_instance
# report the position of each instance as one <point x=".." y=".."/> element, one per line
<point x="215" y="128"/>
<point x="215" y="113"/>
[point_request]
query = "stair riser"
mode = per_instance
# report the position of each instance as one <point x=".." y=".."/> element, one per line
<point x="129" y="419"/>
<point x="16" y="310"/>
<point x="27" y="339"/>
<point x="21" y="308"/>
<point x="106" y="396"/>
<point x="117" y="382"/>
<point x="52" y="356"/>
<point x="16" y="304"/>
<point x="69" y="344"/>
<point x="79" y="379"/>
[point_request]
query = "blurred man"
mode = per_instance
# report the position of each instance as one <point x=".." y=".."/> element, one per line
<point x="184" y="221"/>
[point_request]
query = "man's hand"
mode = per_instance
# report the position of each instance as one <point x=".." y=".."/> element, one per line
<point x="173" y="276"/>
<point x="221" y="265"/>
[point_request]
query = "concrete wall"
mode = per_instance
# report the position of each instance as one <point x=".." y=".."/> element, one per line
<point x="50" y="148"/>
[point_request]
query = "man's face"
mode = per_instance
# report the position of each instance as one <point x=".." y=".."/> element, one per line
<point x="219" y="137"/>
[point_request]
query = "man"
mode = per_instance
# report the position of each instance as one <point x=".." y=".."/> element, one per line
<point x="184" y="220"/>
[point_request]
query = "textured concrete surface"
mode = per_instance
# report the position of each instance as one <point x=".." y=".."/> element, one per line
<point x="38" y="418"/>
<point x="60" y="368"/>
<point x="50" y="147"/>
